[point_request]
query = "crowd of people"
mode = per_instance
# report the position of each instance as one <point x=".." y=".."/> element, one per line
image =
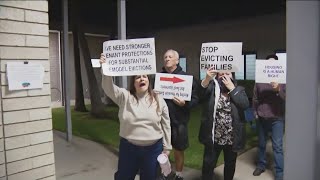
<point x="151" y="125"/>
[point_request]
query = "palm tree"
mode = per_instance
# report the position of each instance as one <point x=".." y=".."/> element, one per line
<point x="79" y="99"/>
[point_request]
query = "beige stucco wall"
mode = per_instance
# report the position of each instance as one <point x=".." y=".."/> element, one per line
<point x="26" y="142"/>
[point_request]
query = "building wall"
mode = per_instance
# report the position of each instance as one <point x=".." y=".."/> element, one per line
<point x="95" y="46"/>
<point x="262" y="34"/>
<point x="26" y="142"/>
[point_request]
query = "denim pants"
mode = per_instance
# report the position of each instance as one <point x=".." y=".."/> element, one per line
<point x="134" y="159"/>
<point x="210" y="158"/>
<point x="276" y="127"/>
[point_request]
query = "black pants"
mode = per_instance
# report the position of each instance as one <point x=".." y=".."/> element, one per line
<point x="210" y="158"/>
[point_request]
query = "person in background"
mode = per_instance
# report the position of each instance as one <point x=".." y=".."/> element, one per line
<point x="222" y="122"/>
<point x="144" y="127"/>
<point x="269" y="108"/>
<point x="179" y="111"/>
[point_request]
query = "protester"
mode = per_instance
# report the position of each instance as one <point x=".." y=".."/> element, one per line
<point x="179" y="111"/>
<point x="269" y="108"/>
<point x="222" y="122"/>
<point x="144" y="127"/>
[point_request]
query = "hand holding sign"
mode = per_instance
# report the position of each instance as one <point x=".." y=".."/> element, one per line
<point x="102" y="59"/>
<point x="275" y="86"/>
<point x="178" y="101"/>
<point x="210" y="74"/>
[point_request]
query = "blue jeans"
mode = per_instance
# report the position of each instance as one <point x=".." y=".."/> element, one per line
<point x="133" y="158"/>
<point x="276" y="127"/>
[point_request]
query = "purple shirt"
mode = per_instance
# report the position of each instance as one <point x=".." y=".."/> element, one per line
<point x="268" y="103"/>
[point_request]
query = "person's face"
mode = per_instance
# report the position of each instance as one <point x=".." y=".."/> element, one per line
<point x="170" y="60"/>
<point x="141" y="83"/>
<point x="221" y="74"/>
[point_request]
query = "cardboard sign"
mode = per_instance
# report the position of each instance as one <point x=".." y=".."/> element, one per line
<point x="268" y="71"/>
<point x="129" y="57"/>
<point x="223" y="56"/>
<point x="174" y="85"/>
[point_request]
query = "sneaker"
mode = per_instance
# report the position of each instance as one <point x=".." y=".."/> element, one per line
<point x="179" y="178"/>
<point x="258" y="172"/>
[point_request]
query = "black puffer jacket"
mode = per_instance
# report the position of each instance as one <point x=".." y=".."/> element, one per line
<point x="182" y="114"/>
<point x="239" y="102"/>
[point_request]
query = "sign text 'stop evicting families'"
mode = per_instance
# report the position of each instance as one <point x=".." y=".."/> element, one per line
<point x="129" y="57"/>
<point x="271" y="71"/>
<point x="223" y="56"/>
<point x="174" y="85"/>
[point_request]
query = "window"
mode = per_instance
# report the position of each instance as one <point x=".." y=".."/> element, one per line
<point x="250" y="66"/>
<point x="240" y="74"/>
<point x="183" y="63"/>
<point x="249" y="69"/>
<point x="282" y="55"/>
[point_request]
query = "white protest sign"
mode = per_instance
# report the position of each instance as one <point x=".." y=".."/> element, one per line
<point x="271" y="71"/>
<point x="24" y="76"/>
<point x="95" y="63"/>
<point x="129" y="57"/>
<point x="171" y="85"/>
<point x="223" y="56"/>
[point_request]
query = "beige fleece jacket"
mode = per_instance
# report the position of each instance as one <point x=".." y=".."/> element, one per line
<point x="140" y="123"/>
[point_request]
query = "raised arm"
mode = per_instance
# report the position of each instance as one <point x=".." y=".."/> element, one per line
<point x="112" y="91"/>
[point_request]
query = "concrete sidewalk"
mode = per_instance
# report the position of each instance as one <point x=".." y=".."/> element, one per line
<point x="83" y="159"/>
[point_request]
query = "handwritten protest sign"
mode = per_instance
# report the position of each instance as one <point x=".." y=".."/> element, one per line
<point x="171" y="85"/>
<point x="129" y="57"/>
<point x="223" y="56"/>
<point x="271" y="71"/>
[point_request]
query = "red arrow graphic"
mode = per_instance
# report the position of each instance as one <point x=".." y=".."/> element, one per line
<point x="173" y="79"/>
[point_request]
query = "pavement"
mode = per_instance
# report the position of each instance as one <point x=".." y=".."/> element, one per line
<point x="83" y="159"/>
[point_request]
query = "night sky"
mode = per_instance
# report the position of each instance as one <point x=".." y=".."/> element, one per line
<point x="152" y="15"/>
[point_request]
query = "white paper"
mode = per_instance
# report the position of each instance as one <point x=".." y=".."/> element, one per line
<point x="129" y="57"/>
<point x="174" y="85"/>
<point x="223" y="56"/>
<point x="268" y="71"/>
<point x="24" y="76"/>
<point x="95" y="63"/>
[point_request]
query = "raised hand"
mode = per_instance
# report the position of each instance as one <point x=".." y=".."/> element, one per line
<point x="275" y="86"/>
<point x="228" y="82"/>
<point x="102" y="59"/>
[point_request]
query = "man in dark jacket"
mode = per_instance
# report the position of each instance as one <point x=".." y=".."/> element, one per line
<point x="222" y="123"/>
<point x="179" y="111"/>
<point x="268" y="102"/>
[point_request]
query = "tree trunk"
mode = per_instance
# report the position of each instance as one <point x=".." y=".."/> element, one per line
<point x="79" y="100"/>
<point x="97" y="107"/>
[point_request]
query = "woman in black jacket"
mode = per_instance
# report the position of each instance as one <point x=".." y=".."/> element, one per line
<point x="222" y="124"/>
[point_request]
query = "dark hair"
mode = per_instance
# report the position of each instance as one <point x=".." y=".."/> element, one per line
<point x="272" y="56"/>
<point x="152" y="94"/>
